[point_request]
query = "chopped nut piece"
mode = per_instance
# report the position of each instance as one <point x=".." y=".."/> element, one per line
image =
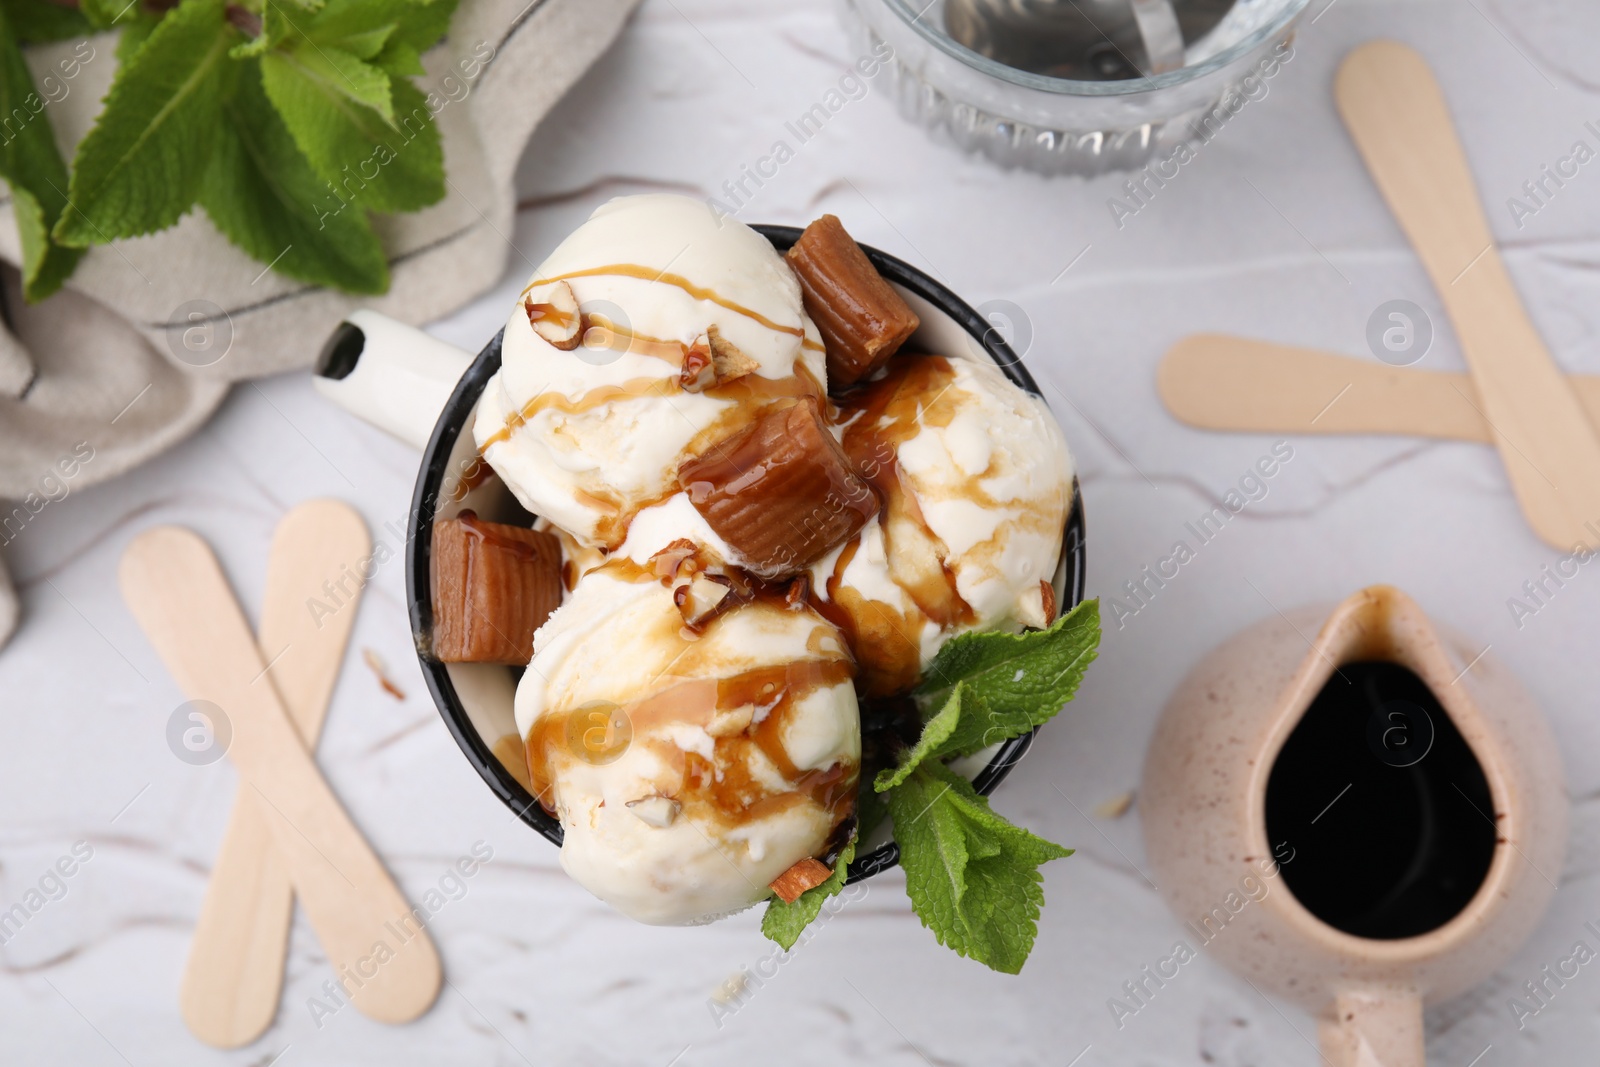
<point x="798" y="595"/>
<point x="375" y="662"/>
<point x="667" y="562"/>
<point x="1047" y="593"/>
<point x="861" y="317"/>
<point x="807" y="874"/>
<point x="657" y="811"/>
<point x="553" y="311"/>
<point x="702" y="598"/>
<point x="1116" y="807"/>
<point x="732" y="989"/>
<point x="780" y="491"/>
<point x="493" y="585"/>
<point x="731" y="363"/>
<point x="712" y="360"/>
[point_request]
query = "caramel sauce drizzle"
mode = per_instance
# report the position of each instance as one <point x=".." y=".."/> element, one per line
<point x="886" y="641"/>
<point x="881" y="416"/>
<point x="600" y="394"/>
<point x="699" y="292"/>
<point x="722" y="788"/>
<point x="486" y="533"/>
<point x="603" y="334"/>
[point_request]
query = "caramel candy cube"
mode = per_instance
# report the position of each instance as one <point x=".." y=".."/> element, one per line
<point x="807" y="874"/>
<point x="861" y="317"/>
<point x="780" y="491"/>
<point x="493" y="585"/>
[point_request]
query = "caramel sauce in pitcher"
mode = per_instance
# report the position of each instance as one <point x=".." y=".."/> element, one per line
<point x="1384" y="804"/>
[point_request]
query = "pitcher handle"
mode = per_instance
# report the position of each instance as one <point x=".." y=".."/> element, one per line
<point x="1368" y="1028"/>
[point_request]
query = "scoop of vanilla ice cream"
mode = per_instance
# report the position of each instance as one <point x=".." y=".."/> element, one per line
<point x="977" y="480"/>
<point x="587" y="437"/>
<point x="687" y="771"/>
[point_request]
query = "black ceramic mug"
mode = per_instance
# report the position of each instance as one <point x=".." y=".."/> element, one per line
<point x="426" y="392"/>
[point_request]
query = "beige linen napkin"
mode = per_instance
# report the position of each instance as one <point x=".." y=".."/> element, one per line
<point x="140" y="347"/>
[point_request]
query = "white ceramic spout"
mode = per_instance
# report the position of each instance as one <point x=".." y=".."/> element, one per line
<point x="389" y="374"/>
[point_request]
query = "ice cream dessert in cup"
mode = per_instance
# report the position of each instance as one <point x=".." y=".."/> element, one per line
<point x="755" y="495"/>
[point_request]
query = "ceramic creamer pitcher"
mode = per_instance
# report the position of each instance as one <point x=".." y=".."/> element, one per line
<point x="1356" y="810"/>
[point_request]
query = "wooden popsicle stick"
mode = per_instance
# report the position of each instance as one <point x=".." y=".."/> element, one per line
<point x="1217" y="382"/>
<point x="234" y="975"/>
<point x="176" y="589"/>
<point x="1397" y="116"/>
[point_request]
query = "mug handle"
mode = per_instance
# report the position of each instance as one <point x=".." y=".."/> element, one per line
<point x="1373" y="1028"/>
<point x="392" y="375"/>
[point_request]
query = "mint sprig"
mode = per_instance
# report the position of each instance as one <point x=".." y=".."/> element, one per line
<point x="972" y="876"/>
<point x="288" y="121"/>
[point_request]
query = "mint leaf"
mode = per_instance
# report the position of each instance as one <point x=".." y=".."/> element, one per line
<point x="993" y="686"/>
<point x="423" y="22"/>
<point x="1026" y="677"/>
<point x="784" y="923"/>
<point x="972" y="876"/>
<point x="33" y="21"/>
<point x="380" y="166"/>
<point x="45" y="265"/>
<point x="32" y="165"/>
<point x="263" y="195"/>
<point x="340" y="22"/>
<point x="399" y="59"/>
<point x="935" y="733"/>
<point x="370" y="29"/>
<point x="341" y="19"/>
<point x="275" y="28"/>
<point x="871" y="810"/>
<point x="136" y="30"/>
<point x="103" y="14"/>
<point x="336" y="70"/>
<point x="368" y="44"/>
<point x="141" y="166"/>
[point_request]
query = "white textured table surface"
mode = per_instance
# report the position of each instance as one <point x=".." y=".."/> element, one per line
<point x="1274" y="231"/>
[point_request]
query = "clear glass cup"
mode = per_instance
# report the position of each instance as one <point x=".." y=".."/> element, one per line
<point x="1063" y="126"/>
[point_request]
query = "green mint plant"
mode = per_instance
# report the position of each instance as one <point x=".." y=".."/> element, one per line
<point x="972" y="876"/>
<point x="288" y="121"/>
